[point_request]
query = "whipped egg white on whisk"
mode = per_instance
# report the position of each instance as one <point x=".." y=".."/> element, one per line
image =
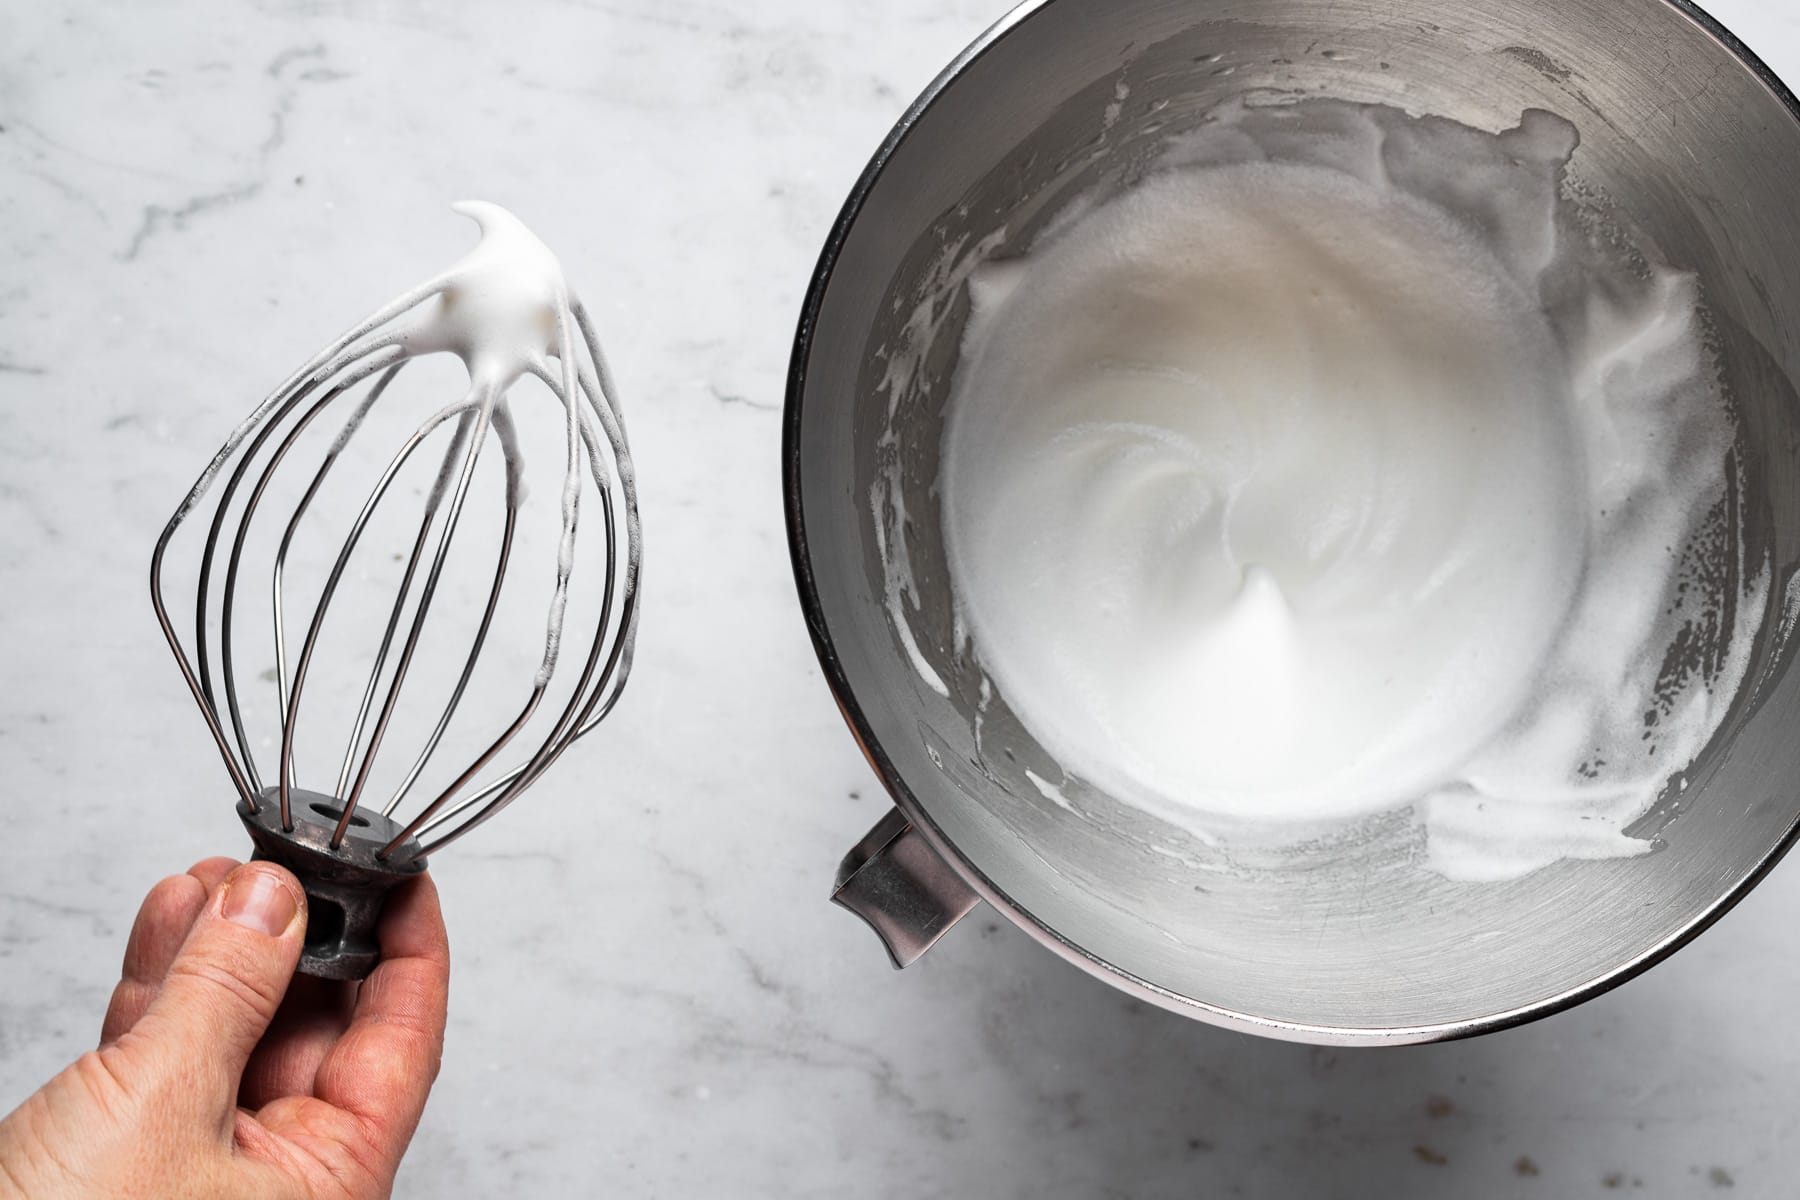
<point x="1334" y="468"/>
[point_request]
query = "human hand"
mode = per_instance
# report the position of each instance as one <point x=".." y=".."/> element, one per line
<point x="221" y="1074"/>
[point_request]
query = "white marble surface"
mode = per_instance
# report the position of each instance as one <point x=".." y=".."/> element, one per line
<point x="652" y="996"/>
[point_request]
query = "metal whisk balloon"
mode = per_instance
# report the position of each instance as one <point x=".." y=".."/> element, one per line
<point x="507" y="313"/>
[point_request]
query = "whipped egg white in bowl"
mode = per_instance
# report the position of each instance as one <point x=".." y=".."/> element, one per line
<point x="1297" y="501"/>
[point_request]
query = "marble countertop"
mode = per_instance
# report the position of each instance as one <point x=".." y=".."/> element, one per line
<point x="652" y="996"/>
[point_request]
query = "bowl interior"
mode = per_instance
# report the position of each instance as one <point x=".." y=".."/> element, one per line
<point x="1078" y="96"/>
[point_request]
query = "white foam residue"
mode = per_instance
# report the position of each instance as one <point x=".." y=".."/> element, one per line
<point x="1050" y="791"/>
<point x="955" y="264"/>
<point x="1116" y="107"/>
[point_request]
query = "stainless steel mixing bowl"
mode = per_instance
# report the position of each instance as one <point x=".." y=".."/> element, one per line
<point x="1681" y="126"/>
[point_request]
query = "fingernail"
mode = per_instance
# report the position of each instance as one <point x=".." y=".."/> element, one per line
<point x="257" y="900"/>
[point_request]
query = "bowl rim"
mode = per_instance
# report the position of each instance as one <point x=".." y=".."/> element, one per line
<point x="836" y="678"/>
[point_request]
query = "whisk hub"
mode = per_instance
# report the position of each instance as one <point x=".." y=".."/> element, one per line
<point x="346" y="888"/>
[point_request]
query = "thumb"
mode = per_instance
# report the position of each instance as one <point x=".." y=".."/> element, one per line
<point x="225" y="984"/>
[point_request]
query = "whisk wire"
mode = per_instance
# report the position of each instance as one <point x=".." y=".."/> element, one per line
<point x="330" y="589"/>
<point x="486" y="396"/>
<point x="199" y="684"/>
<point x="597" y="390"/>
<point x="387" y="641"/>
<point x="574" y="443"/>
<point x="619" y="661"/>
<point x="432" y="503"/>
<point x="228" y="598"/>
<point x="202" y="659"/>
<point x="462" y="682"/>
<point x="277" y="575"/>
<point x="507" y="787"/>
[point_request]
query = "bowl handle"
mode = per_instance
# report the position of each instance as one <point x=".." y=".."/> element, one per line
<point x="903" y="888"/>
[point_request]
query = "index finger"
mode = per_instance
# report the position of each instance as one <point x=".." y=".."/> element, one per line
<point x="383" y="1067"/>
<point x="162" y="925"/>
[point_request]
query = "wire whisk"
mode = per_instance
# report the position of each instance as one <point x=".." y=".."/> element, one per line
<point x="506" y="311"/>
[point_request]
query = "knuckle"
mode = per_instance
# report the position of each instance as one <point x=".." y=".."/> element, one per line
<point x="218" y="864"/>
<point x="101" y="1076"/>
<point x="170" y="885"/>
<point x="233" y="977"/>
<point x="129" y="1000"/>
<point x="168" y="897"/>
